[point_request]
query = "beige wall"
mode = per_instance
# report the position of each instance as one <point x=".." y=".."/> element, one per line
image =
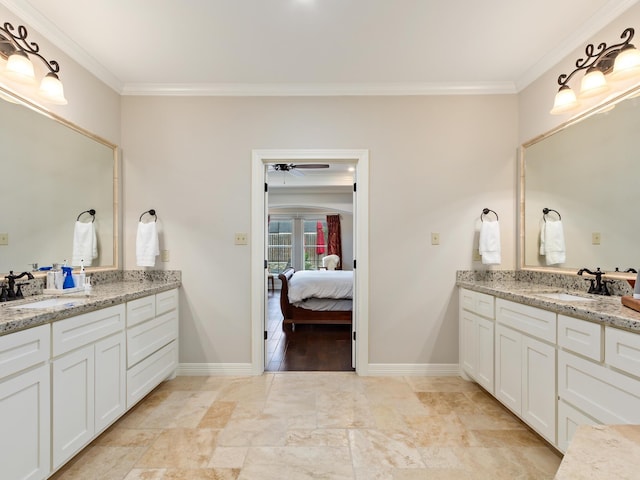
<point x="435" y="162"/>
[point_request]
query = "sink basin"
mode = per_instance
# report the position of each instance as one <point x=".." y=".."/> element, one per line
<point x="51" y="303"/>
<point x="565" y="297"/>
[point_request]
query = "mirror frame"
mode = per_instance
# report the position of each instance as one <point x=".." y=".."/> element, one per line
<point x="613" y="100"/>
<point x="15" y="97"/>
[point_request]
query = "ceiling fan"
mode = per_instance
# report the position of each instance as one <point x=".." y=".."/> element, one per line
<point x="294" y="169"/>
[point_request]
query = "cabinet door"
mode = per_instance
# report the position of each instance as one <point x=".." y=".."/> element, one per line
<point x="569" y="419"/>
<point x="467" y="343"/>
<point x="25" y="421"/>
<point x="483" y="329"/>
<point x="539" y="387"/>
<point x="508" y="368"/>
<point x="110" y="377"/>
<point x="73" y="403"/>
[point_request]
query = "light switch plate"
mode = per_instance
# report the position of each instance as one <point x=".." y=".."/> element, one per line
<point x="595" y="238"/>
<point x="4" y="239"/>
<point x="164" y="255"/>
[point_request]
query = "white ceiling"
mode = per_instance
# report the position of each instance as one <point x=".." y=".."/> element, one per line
<point x="295" y="47"/>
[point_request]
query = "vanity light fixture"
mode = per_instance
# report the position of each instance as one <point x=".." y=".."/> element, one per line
<point x="603" y="65"/>
<point x="16" y="50"/>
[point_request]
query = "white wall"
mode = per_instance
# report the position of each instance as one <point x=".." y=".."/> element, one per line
<point x="435" y="162"/>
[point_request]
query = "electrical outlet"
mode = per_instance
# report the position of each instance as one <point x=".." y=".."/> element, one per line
<point x="241" y="239"/>
<point x="164" y="255"/>
<point x="435" y="238"/>
<point x="595" y="238"/>
<point x="4" y="239"/>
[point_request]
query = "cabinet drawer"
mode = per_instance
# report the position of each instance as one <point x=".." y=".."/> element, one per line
<point x="166" y="301"/>
<point x="476" y="302"/>
<point x="145" y="338"/>
<point x="141" y="310"/>
<point x="77" y="331"/>
<point x="531" y="320"/>
<point x="622" y="350"/>
<point x="146" y="375"/>
<point x="21" y="350"/>
<point x="604" y="394"/>
<point x="580" y="336"/>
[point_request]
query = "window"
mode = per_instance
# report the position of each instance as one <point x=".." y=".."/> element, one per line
<point x="296" y="242"/>
<point x="314" y="243"/>
<point x="280" y="245"/>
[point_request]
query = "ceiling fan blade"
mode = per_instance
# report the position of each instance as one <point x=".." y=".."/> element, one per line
<point x="310" y="165"/>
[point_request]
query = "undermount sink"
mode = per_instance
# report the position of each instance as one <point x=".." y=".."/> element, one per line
<point x="51" y="303"/>
<point x="565" y="297"/>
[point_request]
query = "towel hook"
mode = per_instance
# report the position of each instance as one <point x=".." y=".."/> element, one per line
<point x="151" y="212"/>
<point x="485" y="211"/>
<point x="546" y="210"/>
<point x="91" y="212"/>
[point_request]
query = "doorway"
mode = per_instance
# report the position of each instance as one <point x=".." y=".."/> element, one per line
<point x="259" y="276"/>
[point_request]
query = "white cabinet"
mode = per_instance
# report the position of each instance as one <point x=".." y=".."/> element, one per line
<point x="152" y="350"/>
<point x="25" y="404"/>
<point x="477" y="337"/>
<point x="525" y="367"/>
<point x="88" y="375"/>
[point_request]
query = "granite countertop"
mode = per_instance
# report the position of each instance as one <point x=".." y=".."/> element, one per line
<point x="105" y="295"/>
<point x="602" y="452"/>
<point x="595" y="308"/>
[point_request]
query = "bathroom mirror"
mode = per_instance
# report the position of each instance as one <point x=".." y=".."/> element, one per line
<point x="589" y="172"/>
<point x="52" y="171"/>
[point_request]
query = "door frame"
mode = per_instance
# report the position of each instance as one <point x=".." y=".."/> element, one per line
<point x="259" y="161"/>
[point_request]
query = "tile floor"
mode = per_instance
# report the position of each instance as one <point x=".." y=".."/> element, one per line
<point x="315" y="426"/>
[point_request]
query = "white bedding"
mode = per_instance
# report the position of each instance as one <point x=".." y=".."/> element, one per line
<point x="320" y="284"/>
<point x="326" y="304"/>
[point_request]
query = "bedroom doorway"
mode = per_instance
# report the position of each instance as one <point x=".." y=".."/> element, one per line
<point x="261" y="159"/>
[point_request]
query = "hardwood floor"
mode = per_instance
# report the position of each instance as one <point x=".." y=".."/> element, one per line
<point x="320" y="348"/>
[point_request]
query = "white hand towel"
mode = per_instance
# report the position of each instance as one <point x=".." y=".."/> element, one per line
<point x="554" y="246"/>
<point x="85" y="244"/>
<point x="542" y="235"/>
<point x="489" y="243"/>
<point x="147" y="244"/>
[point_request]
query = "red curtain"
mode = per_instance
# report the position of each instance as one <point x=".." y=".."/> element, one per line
<point x="320" y="238"/>
<point x="334" y="244"/>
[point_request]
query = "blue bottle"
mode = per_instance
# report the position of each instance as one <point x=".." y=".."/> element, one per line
<point x="68" y="277"/>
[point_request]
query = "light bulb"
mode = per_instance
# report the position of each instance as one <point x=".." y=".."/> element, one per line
<point x="565" y="100"/>
<point x="593" y="83"/>
<point x="51" y="89"/>
<point x="627" y="63"/>
<point x="20" y="68"/>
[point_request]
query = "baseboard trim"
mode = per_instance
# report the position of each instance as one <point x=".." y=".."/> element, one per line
<point x="373" y="369"/>
<point x="414" y="369"/>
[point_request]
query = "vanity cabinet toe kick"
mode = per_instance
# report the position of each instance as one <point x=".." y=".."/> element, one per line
<point x="554" y="371"/>
<point x="64" y="383"/>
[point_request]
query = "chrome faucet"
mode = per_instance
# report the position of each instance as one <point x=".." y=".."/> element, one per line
<point x="597" y="285"/>
<point x="9" y="291"/>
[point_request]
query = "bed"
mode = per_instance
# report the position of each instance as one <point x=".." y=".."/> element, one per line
<point x="316" y="297"/>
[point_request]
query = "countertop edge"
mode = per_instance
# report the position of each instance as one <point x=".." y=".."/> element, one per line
<point x="606" y="310"/>
<point x="103" y="296"/>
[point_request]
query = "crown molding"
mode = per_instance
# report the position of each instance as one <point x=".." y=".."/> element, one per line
<point x="318" y="89"/>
